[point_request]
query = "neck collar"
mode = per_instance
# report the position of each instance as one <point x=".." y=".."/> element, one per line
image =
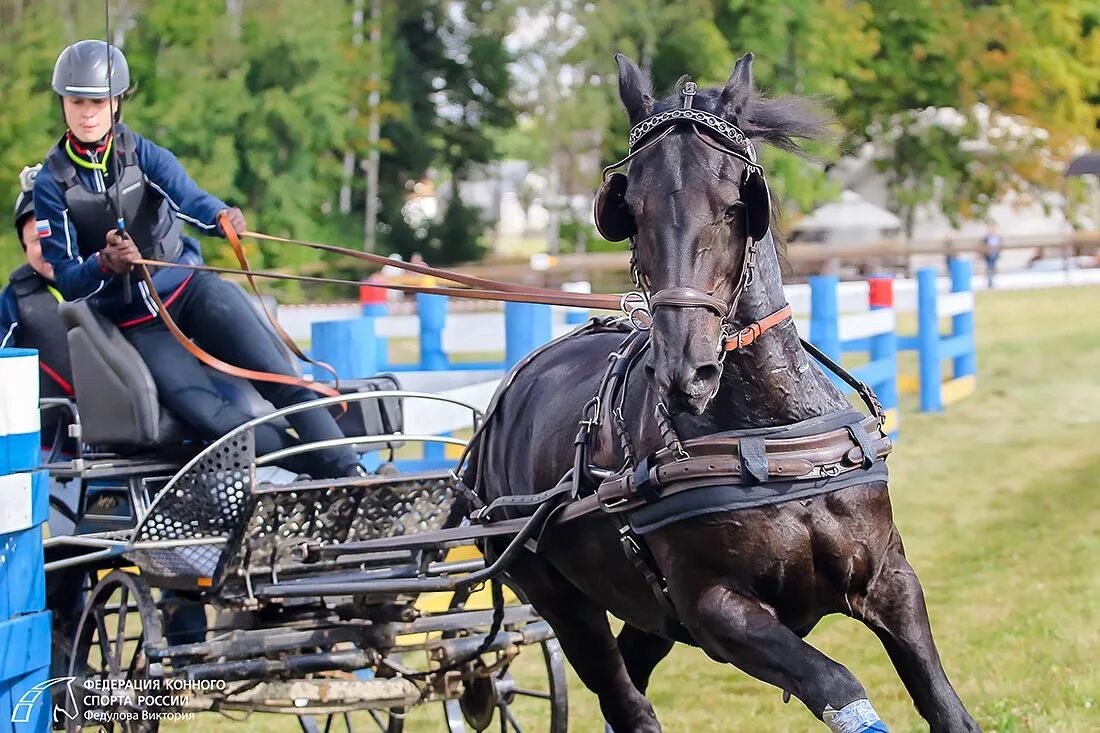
<point x="92" y="156"/>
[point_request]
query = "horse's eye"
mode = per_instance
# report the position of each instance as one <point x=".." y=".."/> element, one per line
<point x="733" y="210"/>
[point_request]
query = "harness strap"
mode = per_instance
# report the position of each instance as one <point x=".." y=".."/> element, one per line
<point x="684" y="297"/>
<point x="637" y="552"/>
<point x="214" y="362"/>
<point x="486" y="286"/>
<point x="754" y="460"/>
<point x="484" y="514"/>
<point x="812" y="457"/>
<point x="865" y="393"/>
<point x="756" y="329"/>
<point x="577" y="300"/>
<point x="238" y="250"/>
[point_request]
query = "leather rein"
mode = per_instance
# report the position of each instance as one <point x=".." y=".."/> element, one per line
<point x="476" y="288"/>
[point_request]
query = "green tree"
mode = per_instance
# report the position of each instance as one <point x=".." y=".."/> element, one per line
<point x="457" y="237"/>
<point x="450" y="86"/>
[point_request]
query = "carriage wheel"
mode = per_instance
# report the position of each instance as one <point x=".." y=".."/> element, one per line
<point x="522" y="696"/>
<point x="392" y="721"/>
<point x="118" y="623"/>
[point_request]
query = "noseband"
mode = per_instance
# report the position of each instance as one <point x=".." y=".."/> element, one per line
<point x="615" y="222"/>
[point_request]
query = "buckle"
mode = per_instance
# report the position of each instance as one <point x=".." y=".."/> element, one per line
<point x="609" y="505"/>
<point x="635" y="305"/>
<point x="626" y="537"/>
<point x="590" y="413"/>
<point x="748" y="334"/>
<point x="688" y="93"/>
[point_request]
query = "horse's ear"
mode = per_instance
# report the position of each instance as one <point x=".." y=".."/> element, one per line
<point x="738" y="90"/>
<point x="634" y="89"/>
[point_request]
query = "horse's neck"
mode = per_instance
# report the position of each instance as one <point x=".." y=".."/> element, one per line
<point x="772" y="381"/>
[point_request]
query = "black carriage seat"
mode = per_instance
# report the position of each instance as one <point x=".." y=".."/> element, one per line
<point x="117" y="398"/>
<point x="120" y="409"/>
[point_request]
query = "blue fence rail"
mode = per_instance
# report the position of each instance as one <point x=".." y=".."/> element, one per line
<point x="354" y="348"/>
<point x="873" y="333"/>
<point x="933" y="347"/>
<point x="24" y="506"/>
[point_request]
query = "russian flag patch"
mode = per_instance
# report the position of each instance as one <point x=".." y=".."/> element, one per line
<point x="43" y="226"/>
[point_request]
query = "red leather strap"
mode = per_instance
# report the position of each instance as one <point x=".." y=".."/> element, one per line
<point x="242" y="258"/>
<point x="754" y="330"/>
<point x="214" y="362"/>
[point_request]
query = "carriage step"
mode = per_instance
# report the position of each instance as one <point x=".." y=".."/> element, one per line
<point x="314" y="696"/>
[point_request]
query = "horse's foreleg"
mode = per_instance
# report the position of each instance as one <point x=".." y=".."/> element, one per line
<point x="642" y="652"/>
<point x="585" y="636"/>
<point x="742" y="631"/>
<point x="894" y="609"/>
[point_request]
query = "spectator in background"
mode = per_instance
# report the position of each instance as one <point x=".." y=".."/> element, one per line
<point x="992" y="251"/>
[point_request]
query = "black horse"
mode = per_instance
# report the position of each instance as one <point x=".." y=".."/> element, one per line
<point x="746" y="586"/>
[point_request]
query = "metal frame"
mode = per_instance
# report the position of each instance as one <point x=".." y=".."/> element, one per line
<point x="372" y="573"/>
<point x="109" y="544"/>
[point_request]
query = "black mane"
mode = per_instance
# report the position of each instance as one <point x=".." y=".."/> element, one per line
<point x="783" y="122"/>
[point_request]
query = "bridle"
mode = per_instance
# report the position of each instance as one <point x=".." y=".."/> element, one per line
<point x="615" y="222"/>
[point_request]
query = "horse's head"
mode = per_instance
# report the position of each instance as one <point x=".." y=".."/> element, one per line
<point x="696" y="203"/>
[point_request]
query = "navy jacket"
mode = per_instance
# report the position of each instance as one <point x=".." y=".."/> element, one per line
<point x="79" y="277"/>
<point x="9" y="318"/>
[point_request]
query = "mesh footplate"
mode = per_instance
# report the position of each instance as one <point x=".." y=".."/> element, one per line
<point x="210" y="500"/>
<point x="285" y="519"/>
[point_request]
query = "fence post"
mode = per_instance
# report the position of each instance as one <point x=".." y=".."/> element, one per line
<point x="527" y="326"/>
<point x="884" y="346"/>
<point x="825" y="315"/>
<point x="24" y="507"/>
<point x="432" y="310"/>
<point x="928" y="342"/>
<point x="962" y="324"/>
<point x="349" y="346"/>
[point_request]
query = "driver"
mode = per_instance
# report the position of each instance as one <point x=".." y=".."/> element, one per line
<point x="99" y="160"/>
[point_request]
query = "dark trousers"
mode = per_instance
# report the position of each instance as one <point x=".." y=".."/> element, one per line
<point x="218" y="317"/>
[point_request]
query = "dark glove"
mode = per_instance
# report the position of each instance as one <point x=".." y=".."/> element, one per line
<point x="236" y="220"/>
<point x="120" y="253"/>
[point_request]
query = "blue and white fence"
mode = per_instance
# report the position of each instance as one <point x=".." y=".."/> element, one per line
<point x="933" y="348"/>
<point x="24" y="507"/>
<point x="873" y="332"/>
<point x="851" y="318"/>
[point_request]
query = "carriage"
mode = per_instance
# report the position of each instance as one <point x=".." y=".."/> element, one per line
<point x="316" y="598"/>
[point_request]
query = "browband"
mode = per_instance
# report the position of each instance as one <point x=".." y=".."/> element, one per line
<point x="728" y="131"/>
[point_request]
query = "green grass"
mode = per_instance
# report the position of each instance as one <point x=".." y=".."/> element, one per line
<point x="998" y="501"/>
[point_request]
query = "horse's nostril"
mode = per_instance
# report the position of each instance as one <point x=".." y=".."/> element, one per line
<point x="707" y="373"/>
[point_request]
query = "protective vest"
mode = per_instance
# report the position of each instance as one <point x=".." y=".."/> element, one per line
<point x="40" y="327"/>
<point x="150" y="220"/>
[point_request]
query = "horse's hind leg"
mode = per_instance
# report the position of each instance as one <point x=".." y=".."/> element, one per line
<point x="740" y="630"/>
<point x="585" y="636"/>
<point x="894" y="609"/>
<point x="642" y="652"/>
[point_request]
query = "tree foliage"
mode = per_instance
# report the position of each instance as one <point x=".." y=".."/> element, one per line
<point x="263" y="102"/>
<point x="261" y="105"/>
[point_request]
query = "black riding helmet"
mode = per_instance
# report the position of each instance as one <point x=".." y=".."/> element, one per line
<point x="81" y="71"/>
<point x="24" y="202"/>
